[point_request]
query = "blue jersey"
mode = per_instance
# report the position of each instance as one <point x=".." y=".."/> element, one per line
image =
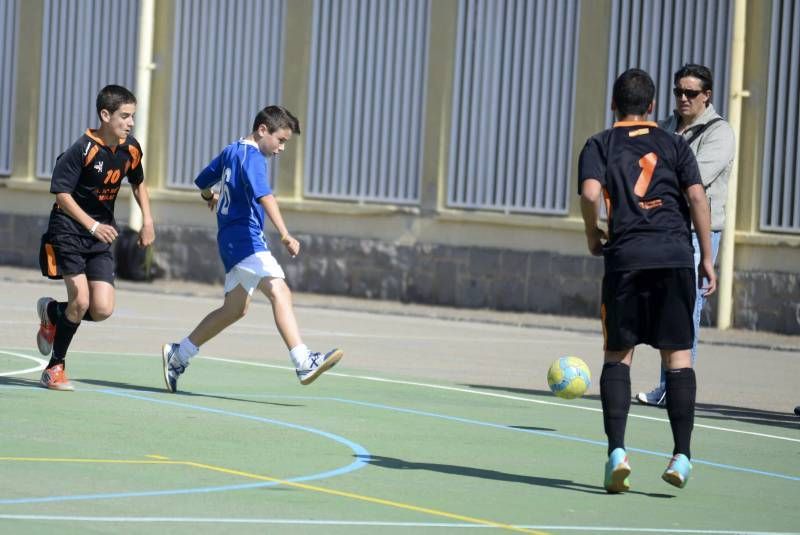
<point x="244" y="176"/>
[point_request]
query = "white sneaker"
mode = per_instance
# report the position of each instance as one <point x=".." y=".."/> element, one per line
<point x="656" y="397"/>
<point x="316" y="364"/>
<point x="173" y="367"/>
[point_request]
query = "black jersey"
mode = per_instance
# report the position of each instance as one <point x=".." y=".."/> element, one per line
<point x="92" y="172"/>
<point x="644" y="171"/>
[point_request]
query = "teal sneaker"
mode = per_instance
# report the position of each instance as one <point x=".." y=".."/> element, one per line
<point x="617" y="472"/>
<point x="678" y="471"/>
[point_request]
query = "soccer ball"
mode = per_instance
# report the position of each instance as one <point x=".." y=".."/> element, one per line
<point x="569" y="377"/>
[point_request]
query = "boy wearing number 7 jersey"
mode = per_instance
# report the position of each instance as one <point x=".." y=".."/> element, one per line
<point x="651" y="185"/>
<point x="243" y="198"/>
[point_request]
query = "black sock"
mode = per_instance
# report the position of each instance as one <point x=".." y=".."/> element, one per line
<point x="65" y="330"/>
<point x="615" y="393"/>
<point x="681" y="391"/>
<point x="56" y="309"/>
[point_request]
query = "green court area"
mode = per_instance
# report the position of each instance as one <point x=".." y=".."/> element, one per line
<point x="244" y="448"/>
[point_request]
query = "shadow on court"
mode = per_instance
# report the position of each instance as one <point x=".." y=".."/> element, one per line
<point x="469" y="471"/>
<point x="18" y="381"/>
<point x="179" y="394"/>
<point x="704" y="410"/>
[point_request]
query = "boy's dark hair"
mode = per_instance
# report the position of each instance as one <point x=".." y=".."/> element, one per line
<point x="634" y="90"/>
<point x="701" y="72"/>
<point x="111" y="97"/>
<point x="275" y="118"/>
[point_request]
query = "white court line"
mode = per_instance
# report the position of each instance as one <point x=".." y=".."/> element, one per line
<point x="454" y="389"/>
<point x="496" y="395"/>
<point x="257" y="329"/>
<point x="42" y="363"/>
<point x="281" y="521"/>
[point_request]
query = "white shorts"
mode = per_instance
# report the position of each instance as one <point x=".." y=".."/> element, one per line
<point x="251" y="270"/>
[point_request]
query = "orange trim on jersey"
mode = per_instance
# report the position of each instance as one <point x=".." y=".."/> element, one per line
<point x="635" y="123"/>
<point x="648" y="164"/>
<point x="135" y="155"/>
<point x="90" y="156"/>
<point x="607" y="199"/>
<point x="90" y="133"/>
<point x="50" y="253"/>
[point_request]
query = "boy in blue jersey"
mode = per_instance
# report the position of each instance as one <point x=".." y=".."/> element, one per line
<point x="653" y="192"/>
<point x="244" y="197"/>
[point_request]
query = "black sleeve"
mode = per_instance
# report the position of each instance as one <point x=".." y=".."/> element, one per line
<point x="135" y="173"/>
<point x="68" y="168"/>
<point x="591" y="163"/>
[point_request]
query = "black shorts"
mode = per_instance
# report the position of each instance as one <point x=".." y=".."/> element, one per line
<point x="648" y="306"/>
<point x="83" y="254"/>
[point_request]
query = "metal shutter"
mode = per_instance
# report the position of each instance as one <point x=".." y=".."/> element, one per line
<point x="366" y="100"/>
<point x="8" y="79"/>
<point x="780" y="194"/>
<point x="86" y="45"/>
<point x="660" y="36"/>
<point x="513" y="102"/>
<point x="228" y="64"/>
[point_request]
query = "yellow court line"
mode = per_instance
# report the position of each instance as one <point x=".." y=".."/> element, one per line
<point x="371" y="499"/>
<point x="158" y="459"/>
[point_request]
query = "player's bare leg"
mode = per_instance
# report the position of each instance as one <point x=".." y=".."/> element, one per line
<point x="233" y="308"/>
<point x="78" y="297"/>
<point x="280" y="296"/>
<point x="175" y="356"/>
<point x="308" y="364"/>
<point x="101" y="300"/>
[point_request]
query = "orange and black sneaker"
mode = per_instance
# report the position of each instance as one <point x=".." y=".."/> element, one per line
<point x="47" y="330"/>
<point x="55" y="378"/>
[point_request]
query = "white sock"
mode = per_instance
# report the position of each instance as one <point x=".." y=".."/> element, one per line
<point x="299" y="355"/>
<point x="187" y="350"/>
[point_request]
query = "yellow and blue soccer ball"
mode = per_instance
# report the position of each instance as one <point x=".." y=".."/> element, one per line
<point x="569" y="377"/>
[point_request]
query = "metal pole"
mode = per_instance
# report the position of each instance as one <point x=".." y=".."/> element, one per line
<point x="144" y="68"/>
<point x="726" y="267"/>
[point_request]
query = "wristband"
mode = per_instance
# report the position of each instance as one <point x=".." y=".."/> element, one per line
<point x="206" y="198"/>
<point x="285" y="238"/>
<point x="94" y="227"/>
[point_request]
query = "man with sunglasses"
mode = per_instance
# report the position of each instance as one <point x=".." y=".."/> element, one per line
<point x="711" y="139"/>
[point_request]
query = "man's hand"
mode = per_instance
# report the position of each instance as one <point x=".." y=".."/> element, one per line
<point x="291" y="244"/>
<point x="147" y="235"/>
<point x="595" y="239"/>
<point x="705" y="273"/>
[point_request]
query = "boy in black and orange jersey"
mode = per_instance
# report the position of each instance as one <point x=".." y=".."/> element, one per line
<point x="653" y="192"/>
<point x="86" y="180"/>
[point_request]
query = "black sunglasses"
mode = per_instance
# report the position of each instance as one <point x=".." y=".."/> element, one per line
<point x="690" y="93"/>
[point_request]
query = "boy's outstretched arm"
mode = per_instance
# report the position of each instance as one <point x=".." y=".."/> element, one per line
<point x="147" y="233"/>
<point x="701" y="218"/>
<point x="271" y="207"/>
<point x="590" y="195"/>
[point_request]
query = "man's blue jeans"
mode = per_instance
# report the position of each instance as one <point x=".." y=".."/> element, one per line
<point x="700" y="300"/>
